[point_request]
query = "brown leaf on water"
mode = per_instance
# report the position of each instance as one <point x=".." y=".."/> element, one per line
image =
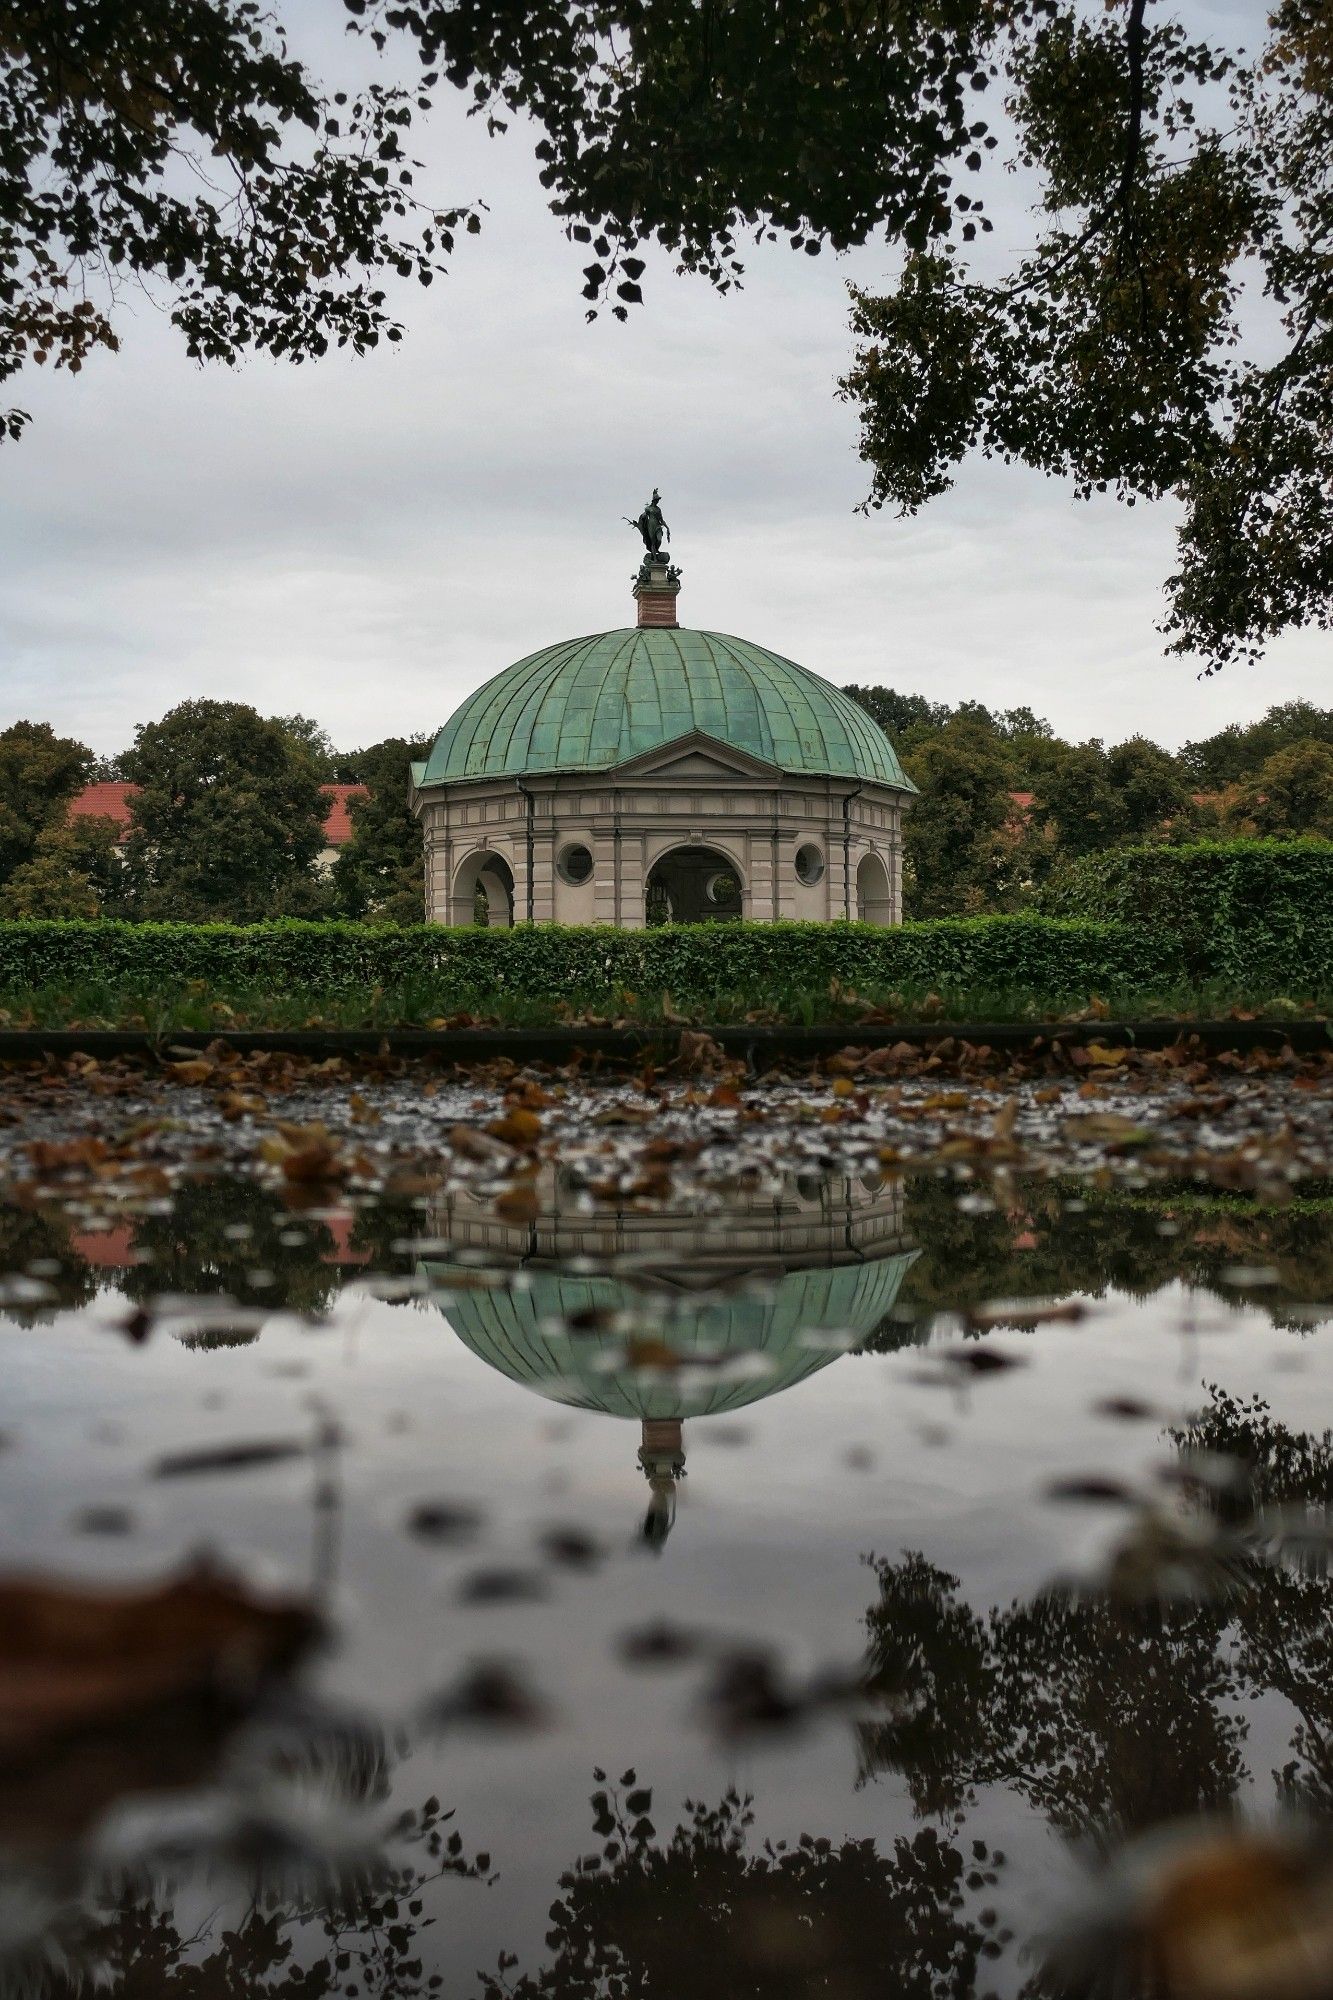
<point x="1126" y="1409"/>
<point x="518" y="1127"/>
<point x="626" y="1114"/>
<point x="1241" y="1917"/>
<point x="519" y="1203"/>
<point x="65" y="1156"/>
<point x="494" y="1694"/>
<point x="234" y="1104"/>
<point x="1005" y="1119"/>
<point x="571" y="1548"/>
<point x="646" y="1352"/>
<point x="240" y="1457"/>
<point x="502" y="1586"/>
<point x="973" y="1360"/>
<point x="698" y="1051"/>
<point x="1111" y="1126"/>
<point x="72" y="1658"/>
<point x="658" y="1645"/>
<point x="305" y="1153"/>
<point x="1092" y="1487"/>
<point x="444" y="1521"/>
<point x="471" y="1144"/>
<point x="197" y="1069"/>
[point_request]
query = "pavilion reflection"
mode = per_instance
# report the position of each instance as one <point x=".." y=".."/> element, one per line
<point x="666" y="1317"/>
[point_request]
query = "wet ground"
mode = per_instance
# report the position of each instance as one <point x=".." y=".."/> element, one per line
<point x="862" y="1534"/>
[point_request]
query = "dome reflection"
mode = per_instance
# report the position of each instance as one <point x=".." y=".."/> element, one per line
<point x="667" y="1316"/>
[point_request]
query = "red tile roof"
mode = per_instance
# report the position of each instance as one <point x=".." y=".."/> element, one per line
<point x="107" y="1249"/>
<point x="108" y="801"/>
<point x="337" y="820"/>
<point x="111" y="800"/>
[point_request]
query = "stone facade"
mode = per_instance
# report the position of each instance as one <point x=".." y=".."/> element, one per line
<point x="695" y="794"/>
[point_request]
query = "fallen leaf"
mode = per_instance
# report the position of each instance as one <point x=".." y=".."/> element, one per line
<point x="519" y="1203"/>
<point x="228" y="1457"/>
<point x="517" y="1128"/>
<point x="471" y="1144"/>
<point x="71" y="1657"/>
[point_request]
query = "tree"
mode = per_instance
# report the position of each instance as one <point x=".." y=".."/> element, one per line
<point x="1293" y="793"/>
<point x="1116" y="353"/>
<point x="314" y="739"/>
<point x="227" y="820"/>
<point x="39" y="774"/>
<point x="1116" y="1707"/>
<point x="1237" y="752"/>
<point x="379" y="871"/>
<point x="951" y="841"/>
<point x="906" y="719"/>
<point x="1078" y="799"/>
<point x="177" y="144"/>
<point x="1119" y="352"/>
<point x="75" y="871"/>
<point x="703" y="1912"/>
<point x="1149" y="784"/>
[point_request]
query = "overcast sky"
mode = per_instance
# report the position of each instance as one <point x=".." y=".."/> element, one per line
<point x="365" y="541"/>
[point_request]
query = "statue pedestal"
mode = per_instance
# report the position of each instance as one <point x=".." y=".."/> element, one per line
<point x="656" y="588"/>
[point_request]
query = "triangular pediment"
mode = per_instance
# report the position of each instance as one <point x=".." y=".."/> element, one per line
<point x="694" y="756"/>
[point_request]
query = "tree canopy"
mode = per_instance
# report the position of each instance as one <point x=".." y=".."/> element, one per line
<point x="228" y="818"/>
<point x="39" y="774"/>
<point x="177" y="144"/>
<point x="1168" y="332"/>
<point x="379" y="872"/>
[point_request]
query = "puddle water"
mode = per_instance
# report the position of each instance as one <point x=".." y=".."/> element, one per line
<point x="809" y="1590"/>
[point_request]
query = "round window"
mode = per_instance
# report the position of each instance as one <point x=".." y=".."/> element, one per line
<point x="809" y="864"/>
<point x="722" y="887"/>
<point x="575" y="863"/>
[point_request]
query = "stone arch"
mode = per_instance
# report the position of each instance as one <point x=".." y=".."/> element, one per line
<point x="681" y="879"/>
<point x="874" y="898"/>
<point x="491" y="873"/>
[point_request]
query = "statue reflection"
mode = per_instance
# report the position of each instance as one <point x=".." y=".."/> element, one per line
<point x="668" y="1317"/>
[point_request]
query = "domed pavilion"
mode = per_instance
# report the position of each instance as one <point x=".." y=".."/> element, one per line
<point x="748" y="1302"/>
<point x="660" y="774"/>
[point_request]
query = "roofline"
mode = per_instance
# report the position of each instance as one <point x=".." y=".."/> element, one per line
<point x="535" y="773"/>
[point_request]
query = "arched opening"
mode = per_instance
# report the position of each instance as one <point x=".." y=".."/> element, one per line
<point x="484" y="892"/>
<point x="693" y="885"/>
<point x="874" y="904"/>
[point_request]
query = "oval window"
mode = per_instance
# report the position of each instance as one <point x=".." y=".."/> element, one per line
<point x="722" y="887"/>
<point x="575" y="863"/>
<point x="809" y="864"/>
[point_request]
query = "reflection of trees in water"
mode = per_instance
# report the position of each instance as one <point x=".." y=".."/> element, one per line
<point x="1111" y="1715"/>
<point x="36" y="1236"/>
<point x="705" y="1913"/>
<point x="198" y="1249"/>
<point x="1110" y="1239"/>
<point x="322" y="1913"/>
<point x="1105" y="1717"/>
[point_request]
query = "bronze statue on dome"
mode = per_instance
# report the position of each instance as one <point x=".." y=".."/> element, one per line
<point x="651" y="524"/>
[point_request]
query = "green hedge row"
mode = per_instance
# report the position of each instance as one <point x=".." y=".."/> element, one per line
<point x="691" y="962"/>
<point x="1256" y="913"/>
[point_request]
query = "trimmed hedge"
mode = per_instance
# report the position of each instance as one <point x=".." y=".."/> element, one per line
<point x="1256" y="913"/>
<point x="692" y="962"/>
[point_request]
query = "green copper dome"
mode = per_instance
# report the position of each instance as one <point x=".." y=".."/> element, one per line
<point x="590" y="704"/>
<point x="770" y="1337"/>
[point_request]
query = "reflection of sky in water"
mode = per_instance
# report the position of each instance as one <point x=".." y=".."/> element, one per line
<point x="834" y="1455"/>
